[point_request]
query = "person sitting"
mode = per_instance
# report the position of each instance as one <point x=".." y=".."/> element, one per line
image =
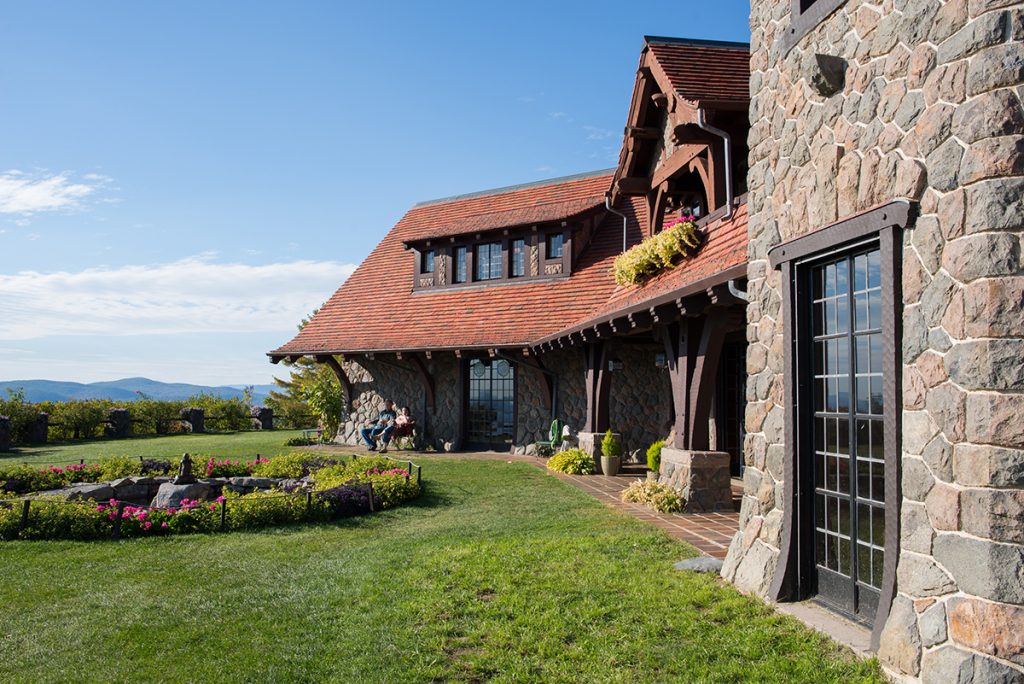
<point x="381" y="428"/>
<point x="404" y="423"/>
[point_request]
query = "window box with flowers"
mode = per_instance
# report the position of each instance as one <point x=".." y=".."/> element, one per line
<point x="679" y="240"/>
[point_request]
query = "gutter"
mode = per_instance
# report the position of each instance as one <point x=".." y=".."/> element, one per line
<point x="727" y="139"/>
<point x="608" y="206"/>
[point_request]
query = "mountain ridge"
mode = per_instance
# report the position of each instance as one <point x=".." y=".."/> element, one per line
<point x="125" y="389"/>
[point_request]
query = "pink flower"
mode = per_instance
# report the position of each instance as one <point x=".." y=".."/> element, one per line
<point x="101" y="507"/>
<point x="163" y="526"/>
<point x="213" y="507"/>
<point x="148" y="524"/>
<point x="220" y="499"/>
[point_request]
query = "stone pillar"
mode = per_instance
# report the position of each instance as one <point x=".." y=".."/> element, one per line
<point x="590" y="443"/>
<point x="701" y="476"/>
<point x="5" y="433"/>
<point x="264" y="416"/>
<point x="120" y="423"/>
<point x="195" y="417"/>
<point x="39" y="430"/>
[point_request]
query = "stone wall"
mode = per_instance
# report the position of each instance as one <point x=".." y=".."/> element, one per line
<point x="926" y="106"/>
<point x="641" y="397"/>
<point x="375" y="380"/>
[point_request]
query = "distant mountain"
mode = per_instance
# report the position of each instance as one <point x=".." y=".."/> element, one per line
<point x="122" y="390"/>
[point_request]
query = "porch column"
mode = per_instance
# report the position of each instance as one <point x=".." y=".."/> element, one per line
<point x="679" y="351"/>
<point x="705" y="374"/>
<point x="598" y="383"/>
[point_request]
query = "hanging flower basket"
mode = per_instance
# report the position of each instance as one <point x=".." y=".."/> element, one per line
<point x="679" y="240"/>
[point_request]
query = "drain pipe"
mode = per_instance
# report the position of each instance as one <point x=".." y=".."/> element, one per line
<point x="727" y="139"/>
<point x="737" y="292"/>
<point x="608" y="206"/>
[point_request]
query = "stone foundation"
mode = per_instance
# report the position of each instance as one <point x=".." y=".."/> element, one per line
<point x="701" y="476"/>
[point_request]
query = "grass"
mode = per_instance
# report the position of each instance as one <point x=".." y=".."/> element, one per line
<point x="228" y="445"/>
<point x="499" y="572"/>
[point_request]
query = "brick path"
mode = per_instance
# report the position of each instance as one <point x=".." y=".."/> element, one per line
<point x="710" y="533"/>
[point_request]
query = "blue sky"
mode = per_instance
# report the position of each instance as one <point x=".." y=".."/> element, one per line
<point x="181" y="182"/>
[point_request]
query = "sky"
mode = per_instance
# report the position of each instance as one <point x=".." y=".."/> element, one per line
<point x="182" y="182"/>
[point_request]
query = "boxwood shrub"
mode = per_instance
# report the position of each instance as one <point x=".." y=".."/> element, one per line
<point x="572" y="462"/>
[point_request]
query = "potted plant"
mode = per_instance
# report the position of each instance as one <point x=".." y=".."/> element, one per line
<point x="611" y="454"/>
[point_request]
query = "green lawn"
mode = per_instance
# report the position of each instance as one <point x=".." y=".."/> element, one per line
<point x="230" y="445"/>
<point x="499" y="572"/>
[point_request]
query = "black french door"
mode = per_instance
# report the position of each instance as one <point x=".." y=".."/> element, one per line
<point x="732" y="402"/>
<point x="847" y="527"/>
<point x="490" y="407"/>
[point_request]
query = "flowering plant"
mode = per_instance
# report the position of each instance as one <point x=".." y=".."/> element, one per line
<point x="658" y="496"/>
<point x="679" y="238"/>
<point x="228" y="468"/>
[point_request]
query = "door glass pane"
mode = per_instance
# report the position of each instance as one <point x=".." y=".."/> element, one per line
<point x="848" y="460"/>
<point x="491" y="410"/>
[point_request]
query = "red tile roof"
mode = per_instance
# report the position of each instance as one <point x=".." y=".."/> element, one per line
<point x="376" y="310"/>
<point x="704" y="70"/>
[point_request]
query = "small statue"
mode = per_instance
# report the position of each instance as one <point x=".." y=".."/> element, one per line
<point x="185" y="475"/>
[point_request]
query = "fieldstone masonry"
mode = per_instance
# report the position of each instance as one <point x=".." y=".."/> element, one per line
<point x="929" y="109"/>
<point x="38" y="431"/>
<point x="120" y="424"/>
<point x="702" y="477"/>
<point x="195" y="417"/>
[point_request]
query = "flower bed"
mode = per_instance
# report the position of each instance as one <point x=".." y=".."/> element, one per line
<point x="330" y="490"/>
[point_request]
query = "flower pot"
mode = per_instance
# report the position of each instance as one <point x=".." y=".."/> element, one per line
<point x="610" y="465"/>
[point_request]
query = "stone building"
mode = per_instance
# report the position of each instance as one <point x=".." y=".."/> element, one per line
<point x="859" y="173"/>
<point x="884" y="463"/>
<point x="493" y="313"/>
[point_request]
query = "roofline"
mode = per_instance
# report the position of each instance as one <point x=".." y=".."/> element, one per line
<point x="520" y="186"/>
<point x="696" y="42"/>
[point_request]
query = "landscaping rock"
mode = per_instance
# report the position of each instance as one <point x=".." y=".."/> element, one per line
<point x="170" y="495"/>
<point x="700" y="564"/>
<point x="97" y="492"/>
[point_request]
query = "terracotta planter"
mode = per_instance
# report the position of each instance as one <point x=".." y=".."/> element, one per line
<point x="610" y="465"/>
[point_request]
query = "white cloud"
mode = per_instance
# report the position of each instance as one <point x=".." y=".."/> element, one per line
<point x="187" y="296"/>
<point x="25" y="194"/>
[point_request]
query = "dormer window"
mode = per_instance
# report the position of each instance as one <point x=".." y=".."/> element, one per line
<point x="459" y="274"/>
<point x="554" y="246"/>
<point x="518" y="258"/>
<point x="427" y="261"/>
<point x="488" y="261"/>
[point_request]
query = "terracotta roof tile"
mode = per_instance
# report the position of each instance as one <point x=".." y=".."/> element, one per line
<point x="376" y="310"/>
<point x="704" y="70"/>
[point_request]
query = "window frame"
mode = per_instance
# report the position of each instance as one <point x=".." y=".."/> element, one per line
<point x="883" y="225"/>
<point x="492" y="272"/>
<point x="521" y="241"/>
<point x="457" y="262"/>
<point x="803" y="21"/>
<point x="428" y="261"/>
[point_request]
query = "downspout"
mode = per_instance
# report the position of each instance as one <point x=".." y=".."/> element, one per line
<point x="727" y="139"/>
<point x="737" y="292"/>
<point x="608" y="206"/>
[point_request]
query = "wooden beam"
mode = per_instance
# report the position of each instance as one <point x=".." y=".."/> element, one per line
<point x="659" y="99"/>
<point x="339" y="372"/>
<point x="679" y="160"/>
<point x="598" y="382"/>
<point x="634" y="185"/>
<point x="705" y="374"/>
<point x="426" y="379"/>
<point x="643" y="132"/>
<point x="676" y="345"/>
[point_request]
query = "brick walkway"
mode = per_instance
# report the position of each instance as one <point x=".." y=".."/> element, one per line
<point x="710" y="533"/>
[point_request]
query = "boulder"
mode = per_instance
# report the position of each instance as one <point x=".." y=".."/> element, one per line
<point x="97" y="492"/>
<point x="700" y="564"/>
<point x="170" y="495"/>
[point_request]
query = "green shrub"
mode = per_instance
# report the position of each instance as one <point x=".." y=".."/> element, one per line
<point x="572" y="462"/>
<point x="266" y="509"/>
<point x="392" y="483"/>
<point x="22" y="415"/>
<point x="155" y="417"/>
<point x="658" y="252"/>
<point x="654" y="455"/>
<point x="81" y="419"/>
<point x="226" y="414"/>
<point x="294" y="465"/>
<point x="658" y="496"/>
<point x="116" y="467"/>
<point x="301" y="441"/>
<point x="610" y="445"/>
<point x="53" y="519"/>
<point x="324" y="398"/>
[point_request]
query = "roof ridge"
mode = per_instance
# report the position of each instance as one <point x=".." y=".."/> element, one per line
<point x="521" y="186"/>
<point x="696" y="42"/>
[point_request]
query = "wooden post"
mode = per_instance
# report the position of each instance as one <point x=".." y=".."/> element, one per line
<point x="116" y="532"/>
<point x="223" y="515"/>
<point x="369" y="486"/>
<point x="419" y="474"/>
<point x="309" y="504"/>
<point x="408" y="473"/>
<point x="24" y="513"/>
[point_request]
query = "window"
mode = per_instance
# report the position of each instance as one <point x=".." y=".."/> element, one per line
<point x="554" y="250"/>
<point x="488" y="261"/>
<point x="427" y="261"/>
<point x="518" y="258"/>
<point x="805" y="15"/>
<point x="459" y="276"/>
